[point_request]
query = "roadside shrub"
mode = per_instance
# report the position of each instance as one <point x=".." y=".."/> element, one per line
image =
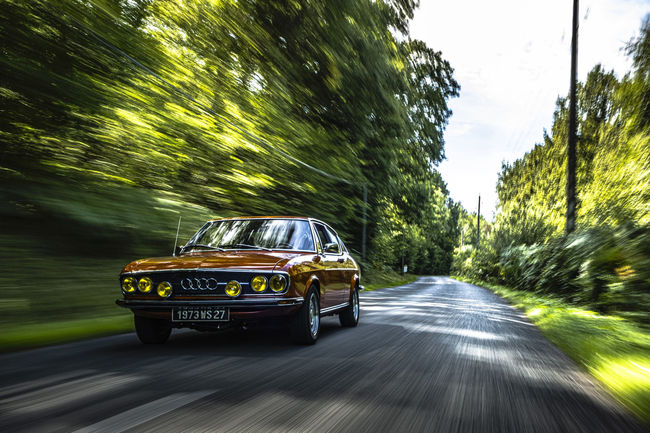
<point x="600" y="266"/>
<point x="481" y="263"/>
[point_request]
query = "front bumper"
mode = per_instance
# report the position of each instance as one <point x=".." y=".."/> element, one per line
<point x="235" y="304"/>
<point x="240" y="309"/>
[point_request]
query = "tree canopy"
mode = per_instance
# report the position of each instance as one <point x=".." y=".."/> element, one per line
<point x="215" y="100"/>
<point x="606" y="261"/>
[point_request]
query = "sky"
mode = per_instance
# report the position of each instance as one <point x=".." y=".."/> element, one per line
<point x="512" y="61"/>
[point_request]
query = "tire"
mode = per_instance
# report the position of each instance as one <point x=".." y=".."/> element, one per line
<point x="152" y="331"/>
<point x="349" y="317"/>
<point x="305" y="325"/>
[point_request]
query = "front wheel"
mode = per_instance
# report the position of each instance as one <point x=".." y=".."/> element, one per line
<point x="349" y="317"/>
<point x="306" y="324"/>
<point x="152" y="331"/>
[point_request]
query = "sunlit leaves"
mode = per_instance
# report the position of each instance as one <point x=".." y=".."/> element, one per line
<point x="528" y="243"/>
<point x="182" y="96"/>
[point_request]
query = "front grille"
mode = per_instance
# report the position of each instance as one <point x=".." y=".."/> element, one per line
<point x="204" y="283"/>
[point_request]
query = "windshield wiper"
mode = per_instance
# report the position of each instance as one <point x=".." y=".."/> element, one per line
<point x="190" y="246"/>
<point x="245" y="246"/>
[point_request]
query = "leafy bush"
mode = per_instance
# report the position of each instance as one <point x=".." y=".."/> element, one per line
<point x="608" y="268"/>
<point x="606" y="261"/>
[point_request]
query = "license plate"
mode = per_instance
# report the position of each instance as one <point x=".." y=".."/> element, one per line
<point x="200" y="314"/>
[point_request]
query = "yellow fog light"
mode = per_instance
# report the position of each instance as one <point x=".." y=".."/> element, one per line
<point x="164" y="289"/>
<point x="145" y="285"/>
<point x="233" y="289"/>
<point x="278" y="282"/>
<point x="259" y="283"/>
<point x="128" y="285"/>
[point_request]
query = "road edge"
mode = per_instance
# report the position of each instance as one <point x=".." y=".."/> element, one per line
<point x="638" y="408"/>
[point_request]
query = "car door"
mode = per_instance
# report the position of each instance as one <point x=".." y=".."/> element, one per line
<point x="349" y="270"/>
<point x="331" y="276"/>
<point x="335" y="262"/>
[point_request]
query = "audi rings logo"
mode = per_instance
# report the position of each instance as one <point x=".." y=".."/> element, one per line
<point x="199" y="283"/>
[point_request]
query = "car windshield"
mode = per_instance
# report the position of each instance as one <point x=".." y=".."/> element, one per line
<point x="282" y="234"/>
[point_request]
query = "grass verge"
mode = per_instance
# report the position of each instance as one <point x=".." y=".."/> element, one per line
<point x="614" y="350"/>
<point x="30" y="335"/>
<point x="382" y="279"/>
<point x="27" y="336"/>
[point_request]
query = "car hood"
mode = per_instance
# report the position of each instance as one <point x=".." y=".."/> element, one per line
<point x="221" y="260"/>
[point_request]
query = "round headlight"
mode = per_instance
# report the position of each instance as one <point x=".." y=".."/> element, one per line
<point x="164" y="289"/>
<point x="128" y="285"/>
<point x="278" y="282"/>
<point x="145" y="285"/>
<point x="233" y="289"/>
<point x="259" y="283"/>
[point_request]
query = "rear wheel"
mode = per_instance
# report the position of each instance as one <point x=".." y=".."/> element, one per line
<point x="349" y="317"/>
<point x="305" y="326"/>
<point x="152" y="331"/>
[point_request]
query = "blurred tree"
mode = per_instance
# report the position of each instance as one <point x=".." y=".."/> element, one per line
<point x="601" y="263"/>
<point x="115" y="91"/>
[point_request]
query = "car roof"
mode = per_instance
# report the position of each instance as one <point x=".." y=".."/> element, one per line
<point x="263" y="217"/>
<point x="285" y="217"/>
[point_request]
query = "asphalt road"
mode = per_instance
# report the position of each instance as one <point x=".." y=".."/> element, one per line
<point x="436" y="355"/>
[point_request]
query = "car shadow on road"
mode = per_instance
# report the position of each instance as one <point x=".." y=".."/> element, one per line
<point x="254" y="341"/>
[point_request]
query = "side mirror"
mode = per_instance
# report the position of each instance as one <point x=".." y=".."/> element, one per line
<point x="178" y="250"/>
<point x="332" y="248"/>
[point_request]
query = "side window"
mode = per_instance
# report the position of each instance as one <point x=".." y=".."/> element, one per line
<point x="326" y="236"/>
<point x="321" y="235"/>
<point x="343" y="247"/>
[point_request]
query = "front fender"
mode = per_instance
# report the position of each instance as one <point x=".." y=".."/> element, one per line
<point x="355" y="281"/>
<point x="313" y="279"/>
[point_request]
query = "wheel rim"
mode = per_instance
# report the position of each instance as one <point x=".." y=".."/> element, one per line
<point x="355" y="305"/>
<point x="313" y="315"/>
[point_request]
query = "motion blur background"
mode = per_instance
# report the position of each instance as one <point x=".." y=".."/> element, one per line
<point x="117" y="117"/>
<point x="120" y="116"/>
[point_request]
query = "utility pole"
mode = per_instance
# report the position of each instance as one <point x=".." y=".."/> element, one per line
<point x="571" y="148"/>
<point x="478" y="223"/>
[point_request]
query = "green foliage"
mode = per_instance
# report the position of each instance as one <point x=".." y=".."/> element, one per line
<point x="468" y="259"/>
<point x="23" y="336"/>
<point x="418" y="228"/>
<point x="599" y="266"/>
<point x="99" y="156"/>
<point x="606" y="262"/>
<point x="66" y="244"/>
<point x="328" y="83"/>
<point x="386" y="277"/>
